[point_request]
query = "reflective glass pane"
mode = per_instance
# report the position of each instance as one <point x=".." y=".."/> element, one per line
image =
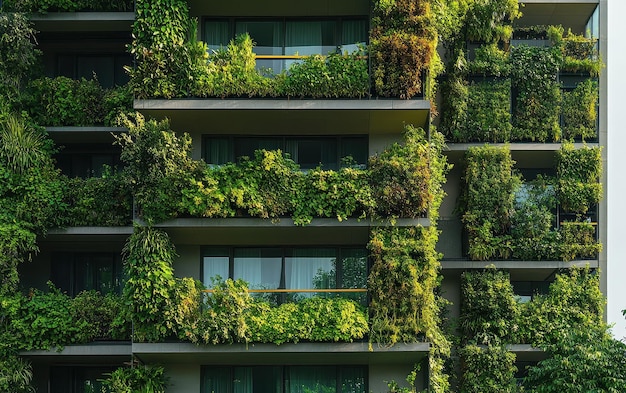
<point x="310" y="268"/>
<point x="216" y="380"/>
<point x="311" y="153"/>
<point x="310" y="37"/>
<point x="267" y="35"/>
<point x="217" y="34"/>
<point x="215" y="263"/>
<point x="353" y="32"/>
<point x="260" y="267"/>
<point x="353" y="380"/>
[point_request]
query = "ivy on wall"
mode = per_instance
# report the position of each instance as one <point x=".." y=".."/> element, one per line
<point x="508" y="219"/>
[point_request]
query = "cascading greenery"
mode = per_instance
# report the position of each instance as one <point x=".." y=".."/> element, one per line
<point x="566" y="323"/>
<point x="148" y="379"/>
<point x="506" y="218"/>
<point x="403" y="42"/>
<point x="539" y="111"/>
<point x="44" y="6"/>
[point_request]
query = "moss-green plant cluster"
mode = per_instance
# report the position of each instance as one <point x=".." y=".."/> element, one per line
<point x="62" y="101"/>
<point x="136" y="379"/>
<point x="403" y="181"/>
<point x="509" y="219"/>
<point x="44" y="6"/>
<point x="569" y="316"/>
<point x="403" y="48"/>
<point x="537" y="109"/>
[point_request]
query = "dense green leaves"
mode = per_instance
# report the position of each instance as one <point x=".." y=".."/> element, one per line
<point x="487" y="369"/>
<point x="18" y="55"/>
<point x="44" y="6"/>
<point x="136" y="379"/>
<point x="506" y="218"/>
<point x="489" y="312"/>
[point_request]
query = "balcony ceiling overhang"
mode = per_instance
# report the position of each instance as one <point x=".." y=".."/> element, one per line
<point x="83" y="21"/>
<point x="271" y="354"/>
<point x="289" y="117"/>
<point x="277" y="8"/>
<point x="572" y="14"/>
<point x="519" y="270"/>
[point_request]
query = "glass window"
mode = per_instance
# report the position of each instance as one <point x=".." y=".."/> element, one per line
<point x="109" y="69"/>
<point x="65" y="379"/>
<point x="353" y="33"/>
<point x="76" y="272"/>
<point x="308" y="152"/>
<point x="310" y="268"/>
<point x="310" y="37"/>
<point x="284" y="379"/>
<point x="261" y="268"/>
<point x="215" y="265"/>
<point x="217" y="34"/>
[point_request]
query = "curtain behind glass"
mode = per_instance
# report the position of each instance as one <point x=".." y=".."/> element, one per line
<point x="216" y="380"/>
<point x="259" y="267"/>
<point x="243" y="380"/>
<point x="217" y="150"/>
<point x="216" y="34"/>
<point x="311" y="379"/>
<point x="353" y="32"/>
<point x="310" y="268"/>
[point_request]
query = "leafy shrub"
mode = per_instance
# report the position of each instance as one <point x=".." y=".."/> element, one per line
<point x="489" y="312"/>
<point x="137" y="379"/>
<point x="18" y="55"/>
<point x="44" y="6"/>
<point x="537" y="104"/>
<point x="117" y="101"/>
<point x="16" y="374"/>
<point x="491" y="21"/>
<point x="578" y="240"/>
<point x="488" y="116"/>
<point x="579" y="172"/>
<point x="401" y="285"/>
<point x="148" y="298"/>
<point x="487" y="369"/>
<point x="62" y="101"/>
<point x="232" y="315"/>
<point x="333" y="76"/>
<point x="158" y="166"/>
<point x="490" y="61"/>
<point x="101" y="313"/>
<point x="98" y="201"/>
<point x="487" y="201"/>
<point x="400" y="177"/>
<point x="579" y="111"/>
<point x="580" y="54"/>
<point x="341" y="194"/>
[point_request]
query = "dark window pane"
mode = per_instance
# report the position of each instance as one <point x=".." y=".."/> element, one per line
<point x="268" y="35"/>
<point x="353" y="380"/>
<point x="307" y="379"/>
<point x="311" y="153"/>
<point x="100" y="66"/>
<point x="310" y="37"/>
<point x="217" y="34"/>
<point x="216" y="380"/>
<point x="354" y="151"/>
<point x="246" y="146"/>
<point x="353" y="32"/>
<point x="218" y="150"/>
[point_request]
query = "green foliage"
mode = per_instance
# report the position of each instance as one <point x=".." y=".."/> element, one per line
<point x="21" y="146"/>
<point x="487" y="201"/>
<point x="340" y="194"/>
<point x="333" y="76"/>
<point x="18" y="56"/>
<point x="15" y="374"/>
<point x="490" y="61"/>
<point x="231" y="315"/>
<point x="489" y="312"/>
<point x="579" y="111"/>
<point x="44" y="6"/>
<point x="401" y="284"/>
<point x="45" y="320"/>
<point x="137" y="379"/>
<point x="148" y="257"/>
<point x="578" y="240"/>
<point x="534" y="77"/>
<point x="158" y="163"/>
<point x="574" y="301"/>
<point x="482" y="111"/>
<point x="579" y="172"/>
<point x="88" y="206"/>
<point x="169" y="59"/>
<point x="401" y="175"/>
<point x="490" y="21"/>
<point x="580" y="54"/>
<point x="487" y="369"/>
<point x="581" y="361"/>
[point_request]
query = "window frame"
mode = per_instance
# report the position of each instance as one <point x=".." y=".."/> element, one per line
<point x="70" y="261"/>
<point x="341" y="143"/>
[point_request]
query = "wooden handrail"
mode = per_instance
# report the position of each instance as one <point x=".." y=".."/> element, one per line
<point x="329" y="290"/>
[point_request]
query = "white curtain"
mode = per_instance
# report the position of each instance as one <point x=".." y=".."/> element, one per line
<point x="310" y="269"/>
<point x="259" y="267"/>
